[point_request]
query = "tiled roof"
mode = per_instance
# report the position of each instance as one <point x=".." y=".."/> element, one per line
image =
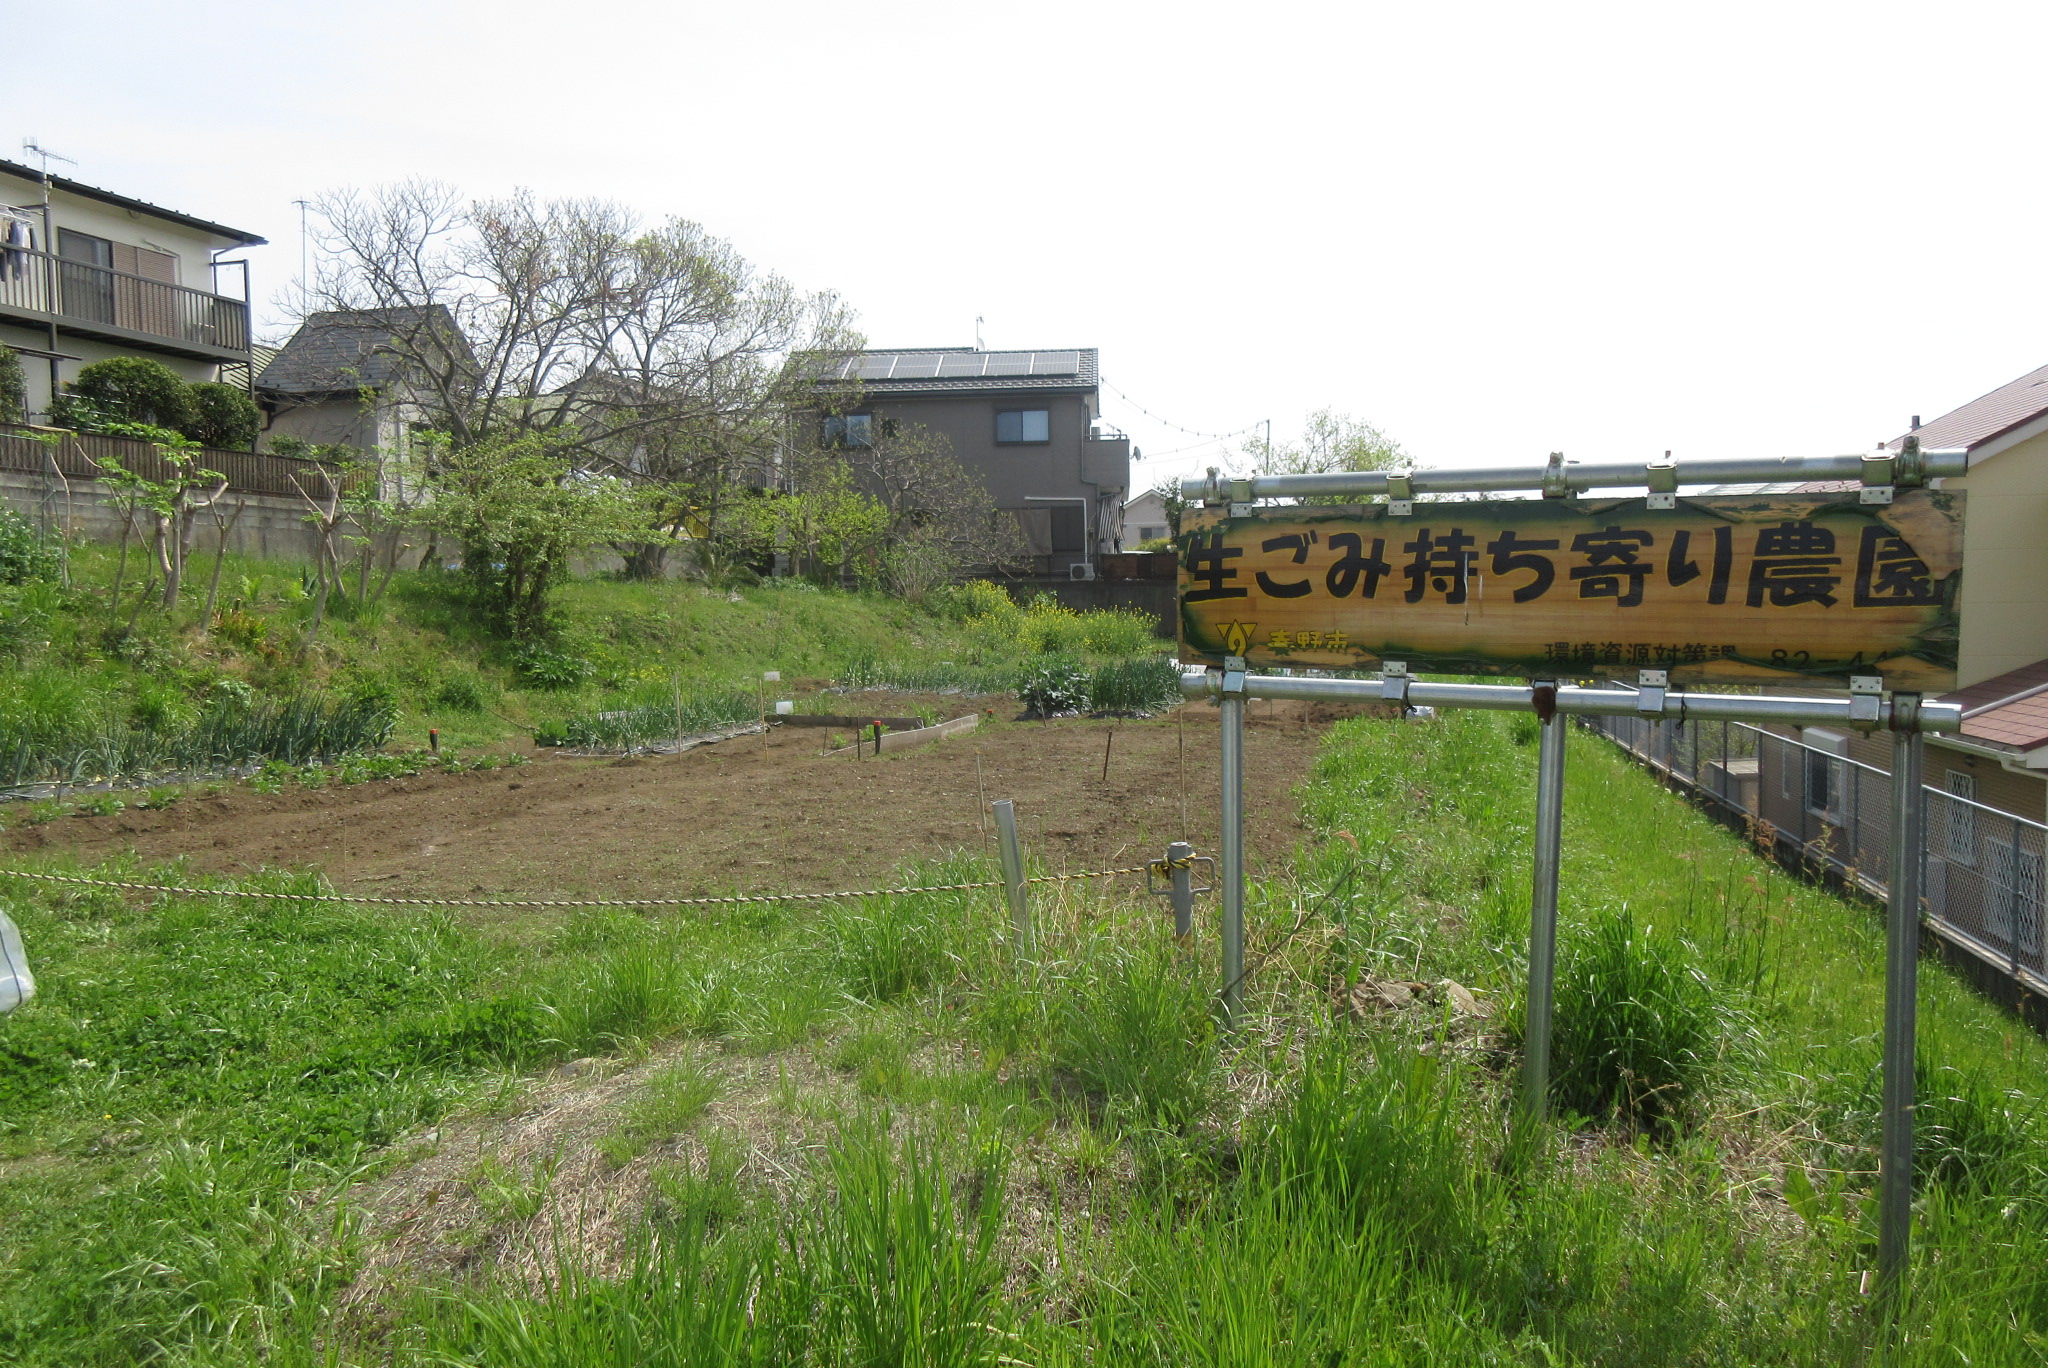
<point x="1070" y="370"/>
<point x="1988" y="416"/>
<point x="2010" y="710"/>
<point x="342" y="351"/>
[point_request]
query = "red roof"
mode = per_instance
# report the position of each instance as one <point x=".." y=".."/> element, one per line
<point x="1988" y="416"/>
<point x="2011" y="709"/>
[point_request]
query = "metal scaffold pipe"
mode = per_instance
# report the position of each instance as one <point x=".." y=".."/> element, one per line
<point x="1573" y="700"/>
<point x="1561" y="479"/>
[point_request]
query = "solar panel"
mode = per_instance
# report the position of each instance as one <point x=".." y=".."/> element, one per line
<point x="876" y="367"/>
<point x="918" y="367"/>
<point x="1009" y="363"/>
<point x="961" y="365"/>
<point x="1055" y="363"/>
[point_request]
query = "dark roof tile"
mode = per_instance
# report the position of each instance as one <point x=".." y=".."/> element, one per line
<point x="2014" y="707"/>
<point x="343" y="351"/>
<point x="1987" y="416"/>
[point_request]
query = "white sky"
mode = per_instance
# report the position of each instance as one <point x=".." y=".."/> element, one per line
<point x="1495" y="230"/>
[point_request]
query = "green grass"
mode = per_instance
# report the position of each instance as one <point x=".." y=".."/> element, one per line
<point x="673" y="1098"/>
<point x="91" y="689"/>
<point x="974" y="1157"/>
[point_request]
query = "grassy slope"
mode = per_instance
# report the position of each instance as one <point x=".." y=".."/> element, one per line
<point x="447" y="670"/>
<point x="1098" y="1178"/>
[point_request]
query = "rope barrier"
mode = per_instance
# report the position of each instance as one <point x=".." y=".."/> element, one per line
<point x="557" y="902"/>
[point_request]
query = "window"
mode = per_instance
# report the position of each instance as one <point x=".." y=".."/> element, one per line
<point x="1023" y="425"/>
<point x="1959" y="820"/>
<point x="83" y="276"/>
<point x="1146" y="534"/>
<point x="849" y="430"/>
<point x="1827" y="776"/>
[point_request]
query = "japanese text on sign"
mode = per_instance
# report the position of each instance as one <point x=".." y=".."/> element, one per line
<point x="1714" y="589"/>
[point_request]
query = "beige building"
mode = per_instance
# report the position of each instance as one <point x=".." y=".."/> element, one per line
<point x="87" y="274"/>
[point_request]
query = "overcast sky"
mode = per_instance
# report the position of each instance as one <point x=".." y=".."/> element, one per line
<point x="1494" y="230"/>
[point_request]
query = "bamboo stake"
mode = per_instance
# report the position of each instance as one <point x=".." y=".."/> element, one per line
<point x="1108" y="742"/>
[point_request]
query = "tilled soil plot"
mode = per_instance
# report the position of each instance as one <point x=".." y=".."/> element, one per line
<point x="757" y="813"/>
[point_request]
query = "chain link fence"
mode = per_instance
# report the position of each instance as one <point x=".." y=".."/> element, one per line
<point x="1984" y="867"/>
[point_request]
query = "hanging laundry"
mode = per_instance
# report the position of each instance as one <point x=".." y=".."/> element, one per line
<point x="20" y="240"/>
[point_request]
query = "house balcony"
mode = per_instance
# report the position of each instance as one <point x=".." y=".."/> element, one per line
<point x="84" y="300"/>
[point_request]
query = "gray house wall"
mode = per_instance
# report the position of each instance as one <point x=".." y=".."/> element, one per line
<point x="1069" y="465"/>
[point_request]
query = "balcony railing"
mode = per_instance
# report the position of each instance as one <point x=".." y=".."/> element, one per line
<point x="38" y="282"/>
<point x="75" y="456"/>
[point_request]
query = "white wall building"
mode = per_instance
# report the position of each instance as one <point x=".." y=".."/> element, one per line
<point x="86" y="274"/>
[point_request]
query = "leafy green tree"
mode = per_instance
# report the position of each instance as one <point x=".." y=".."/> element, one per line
<point x="224" y="416"/>
<point x="1331" y="442"/>
<point x="125" y="389"/>
<point x="520" y="509"/>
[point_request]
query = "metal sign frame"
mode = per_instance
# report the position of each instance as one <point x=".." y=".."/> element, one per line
<point x="1868" y="708"/>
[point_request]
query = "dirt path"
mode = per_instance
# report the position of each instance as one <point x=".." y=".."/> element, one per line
<point x="756" y="813"/>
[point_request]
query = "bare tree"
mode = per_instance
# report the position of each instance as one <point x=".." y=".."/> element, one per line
<point x="930" y="520"/>
<point x="657" y="355"/>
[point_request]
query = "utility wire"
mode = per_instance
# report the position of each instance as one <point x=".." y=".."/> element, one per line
<point x="1192" y="432"/>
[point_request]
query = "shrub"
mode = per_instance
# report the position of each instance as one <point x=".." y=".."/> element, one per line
<point x="467" y="692"/>
<point x="223" y="416"/>
<point x="974" y="599"/>
<point x="125" y="389"/>
<point x="547" y="668"/>
<point x="1055" y="687"/>
<point x="13" y="388"/>
<point x="1637" y="1029"/>
<point x="26" y="556"/>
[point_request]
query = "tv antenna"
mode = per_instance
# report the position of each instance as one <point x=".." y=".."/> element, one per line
<point x="305" y="281"/>
<point x="36" y="149"/>
<point x="977" y="334"/>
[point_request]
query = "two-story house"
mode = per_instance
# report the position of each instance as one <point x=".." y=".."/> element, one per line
<point x="87" y="274"/>
<point x="1027" y="424"/>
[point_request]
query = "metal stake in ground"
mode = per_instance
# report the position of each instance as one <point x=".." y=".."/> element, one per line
<point x="1901" y="994"/>
<point x="1543" y="899"/>
<point x="1179" y="858"/>
<point x="1013" y="873"/>
<point x="1232" y="838"/>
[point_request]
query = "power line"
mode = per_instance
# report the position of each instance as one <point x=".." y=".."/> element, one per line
<point x="1192" y="432"/>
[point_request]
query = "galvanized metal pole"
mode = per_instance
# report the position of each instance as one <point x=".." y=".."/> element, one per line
<point x="1014" y="886"/>
<point x="1543" y="902"/>
<point x="1901" y="996"/>
<point x="1182" y="876"/>
<point x="1231" y="840"/>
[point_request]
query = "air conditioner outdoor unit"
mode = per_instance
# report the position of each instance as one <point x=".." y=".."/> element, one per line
<point x="1083" y="570"/>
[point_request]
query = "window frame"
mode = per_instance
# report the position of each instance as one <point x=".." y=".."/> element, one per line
<point x="837" y="432"/>
<point x="1020" y="414"/>
<point x="1828" y="751"/>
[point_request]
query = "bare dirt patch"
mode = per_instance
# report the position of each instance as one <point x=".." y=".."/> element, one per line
<point x="754" y="813"/>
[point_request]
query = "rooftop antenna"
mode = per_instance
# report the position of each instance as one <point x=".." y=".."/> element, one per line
<point x="305" y="279"/>
<point x="36" y="149"/>
<point x="977" y="333"/>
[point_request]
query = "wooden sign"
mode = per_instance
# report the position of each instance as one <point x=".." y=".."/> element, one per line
<point x="1741" y="589"/>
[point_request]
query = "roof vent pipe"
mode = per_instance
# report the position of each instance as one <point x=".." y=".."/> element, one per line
<point x="1916" y="422"/>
